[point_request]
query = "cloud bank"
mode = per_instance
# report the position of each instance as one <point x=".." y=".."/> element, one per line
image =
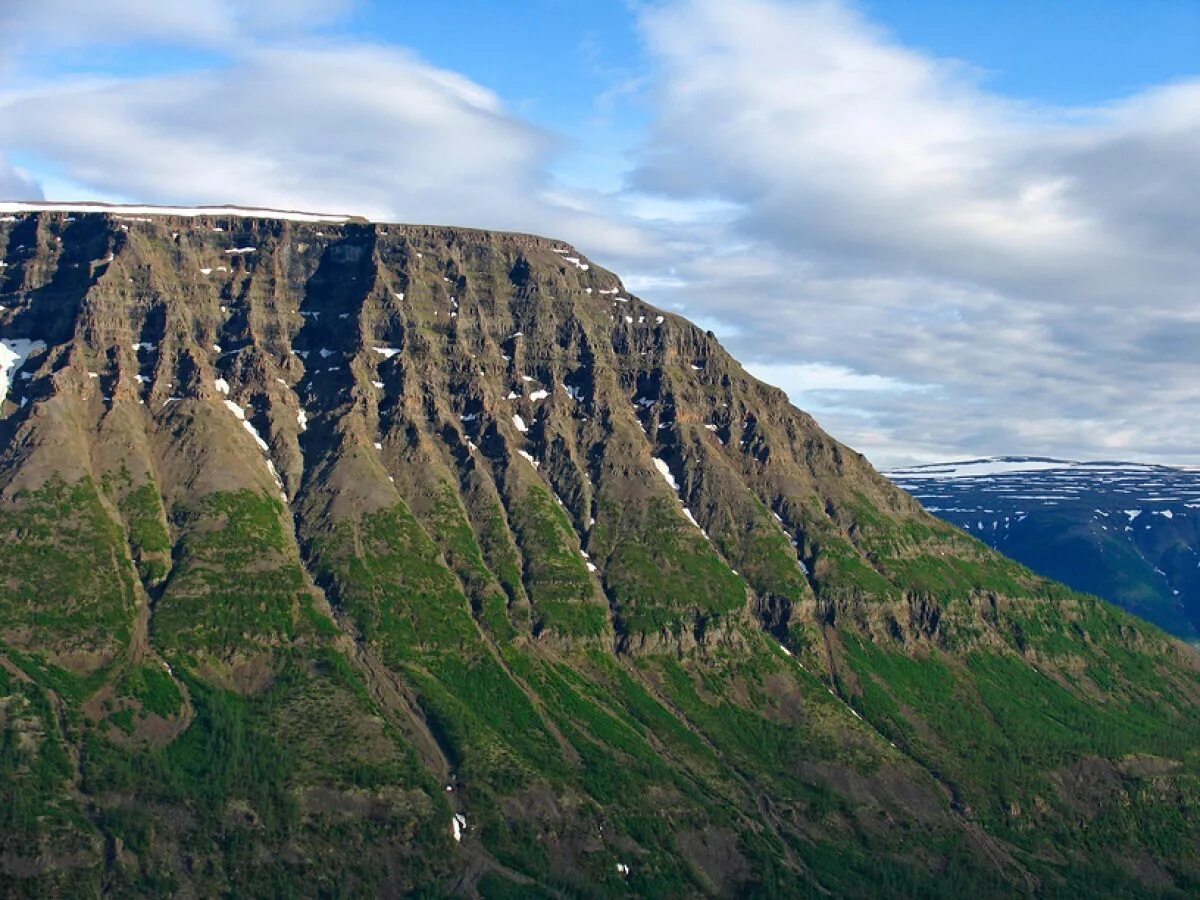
<point x="1034" y="269"/>
<point x="290" y="120"/>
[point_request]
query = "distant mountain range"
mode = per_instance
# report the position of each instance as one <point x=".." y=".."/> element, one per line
<point x="1127" y="532"/>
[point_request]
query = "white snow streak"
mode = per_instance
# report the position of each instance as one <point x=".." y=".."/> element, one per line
<point x="665" y="471"/>
<point x="13" y="353"/>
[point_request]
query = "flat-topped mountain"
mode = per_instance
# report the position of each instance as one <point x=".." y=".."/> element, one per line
<point x="1127" y="532"/>
<point x="366" y="559"/>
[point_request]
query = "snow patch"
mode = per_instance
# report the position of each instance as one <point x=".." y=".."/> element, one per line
<point x="974" y="468"/>
<point x="240" y="413"/>
<point x="665" y="471"/>
<point x="688" y="513"/>
<point x="187" y="212"/>
<point x="13" y="353"/>
<point x="519" y="424"/>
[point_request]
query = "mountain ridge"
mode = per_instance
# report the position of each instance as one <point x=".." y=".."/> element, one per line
<point x="1127" y="532"/>
<point x="418" y="558"/>
<point x="990" y="465"/>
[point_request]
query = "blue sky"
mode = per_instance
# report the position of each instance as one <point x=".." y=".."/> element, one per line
<point x="1055" y="51"/>
<point x="947" y="228"/>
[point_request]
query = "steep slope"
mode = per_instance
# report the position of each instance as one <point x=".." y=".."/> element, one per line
<point x="372" y="559"/>
<point x="1127" y="532"/>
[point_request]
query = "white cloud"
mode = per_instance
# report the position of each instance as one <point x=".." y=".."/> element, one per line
<point x="800" y="379"/>
<point x="1036" y="268"/>
<point x="366" y="129"/>
<point x="17" y="185"/>
<point x="269" y="114"/>
<point x="51" y="24"/>
<point x="351" y="128"/>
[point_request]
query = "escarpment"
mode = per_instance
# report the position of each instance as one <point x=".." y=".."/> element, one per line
<point x="427" y="559"/>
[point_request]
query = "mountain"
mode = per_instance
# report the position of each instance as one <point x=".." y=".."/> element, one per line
<point x="1127" y="532"/>
<point x="357" y="559"/>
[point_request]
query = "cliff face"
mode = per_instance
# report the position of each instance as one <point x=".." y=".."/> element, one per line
<point x="334" y="536"/>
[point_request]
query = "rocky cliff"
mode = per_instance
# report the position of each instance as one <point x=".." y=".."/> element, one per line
<point x="372" y="559"/>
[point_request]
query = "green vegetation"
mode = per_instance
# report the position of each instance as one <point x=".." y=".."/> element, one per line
<point x="153" y="688"/>
<point x="143" y="513"/>
<point x="763" y="555"/>
<point x="500" y="553"/>
<point x="235" y="786"/>
<point x="890" y="558"/>
<point x="995" y="729"/>
<point x="235" y="585"/>
<point x="563" y="595"/>
<point x="389" y="579"/>
<point x="66" y="575"/>
<point x="408" y="604"/>
<point x="34" y="766"/>
<point x="661" y="573"/>
<point x="450" y="529"/>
